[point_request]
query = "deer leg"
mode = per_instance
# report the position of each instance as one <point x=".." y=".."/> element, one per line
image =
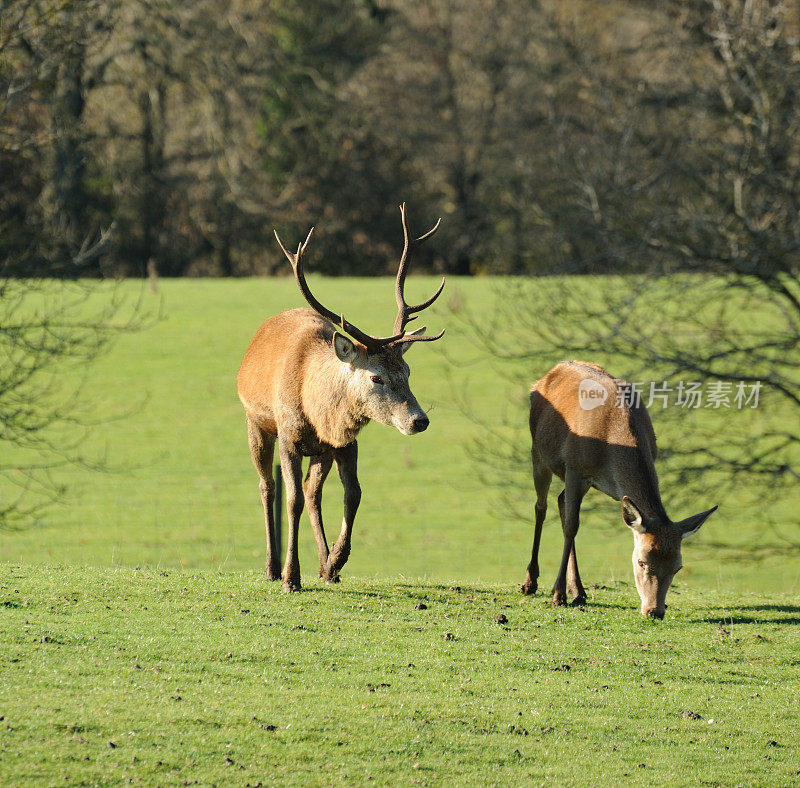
<point x="318" y="470"/>
<point x="574" y="584"/>
<point x="262" y="447"/>
<point x="347" y="465"/>
<point x="569" y="507"/>
<point x="292" y="470"/>
<point x="541" y="481"/>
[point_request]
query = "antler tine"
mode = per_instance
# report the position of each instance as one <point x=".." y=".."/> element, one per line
<point x="294" y="258"/>
<point x="414" y="338"/>
<point x="371" y="343"/>
<point x="407" y="312"/>
<point x="297" y="266"/>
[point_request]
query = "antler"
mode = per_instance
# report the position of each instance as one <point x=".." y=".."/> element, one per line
<point x="406" y="312"/>
<point x="373" y="344"/>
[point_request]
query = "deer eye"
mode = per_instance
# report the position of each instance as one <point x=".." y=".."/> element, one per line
<point x="643" y="564"/>
<point x="377" y="379"/>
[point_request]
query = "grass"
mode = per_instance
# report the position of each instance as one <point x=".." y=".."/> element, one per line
<point x="184" y="677"/>
<point x="140" y="642"/>
<point x="185" y="493"/>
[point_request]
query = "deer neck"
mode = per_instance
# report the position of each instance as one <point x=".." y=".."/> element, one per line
<point x="329" y="406"/>
<point x="642" y="487"/>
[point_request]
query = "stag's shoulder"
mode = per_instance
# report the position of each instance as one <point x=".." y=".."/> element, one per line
<point x="299" y="319"/>
<point x="284" y="342"/>
<point x="294" y="328"/>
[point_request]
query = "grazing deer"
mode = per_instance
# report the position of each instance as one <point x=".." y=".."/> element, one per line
<point x="311" y="388"/>
<point x="590" y="430"/>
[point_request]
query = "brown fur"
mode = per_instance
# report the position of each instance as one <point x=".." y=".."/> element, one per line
<point x="311" y="398"/>
<point x="611" y="447"/>
<point x="290" y="381"/>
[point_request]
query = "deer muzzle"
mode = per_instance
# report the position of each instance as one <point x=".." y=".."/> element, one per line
<point x="419" y="424"/>
<point x="411" y="419"/>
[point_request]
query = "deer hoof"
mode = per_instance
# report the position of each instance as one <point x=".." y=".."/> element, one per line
<point x="335" y="563"/>
<point x="273" y="571"/>
<point x="528" y="587"/>
<point x="579" y="600"/>
<point x="559" y="599"/>
<point x="290" y="586"/>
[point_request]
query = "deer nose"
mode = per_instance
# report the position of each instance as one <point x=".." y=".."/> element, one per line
<point x="420" y="423"/>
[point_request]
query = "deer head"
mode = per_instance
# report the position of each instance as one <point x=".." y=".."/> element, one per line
<point x="376" y="373"/>
<point x="657" y="553"/>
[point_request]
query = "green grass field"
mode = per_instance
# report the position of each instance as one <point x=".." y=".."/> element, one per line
<point x="139" y="640"/>
<point x="186" y="494"/>
<point x="184" y="678"/>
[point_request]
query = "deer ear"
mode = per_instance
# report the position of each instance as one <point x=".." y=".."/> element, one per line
<point x="416" y="332"/>
<point x="691" y="525"/>
<point x="345" y="349"/>
<point x="632" y="516"/>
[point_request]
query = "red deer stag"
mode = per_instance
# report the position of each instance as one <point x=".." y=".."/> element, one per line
<point x="311" y="388"/>
<point x="590" y="430"/>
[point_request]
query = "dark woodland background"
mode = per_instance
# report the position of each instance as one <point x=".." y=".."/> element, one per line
<point x="551" y="136"/>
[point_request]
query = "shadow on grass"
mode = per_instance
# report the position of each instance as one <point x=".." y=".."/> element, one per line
<point x="426" y="592"/>
<point x="437" y="592"/>
<point x="737" y="615"/>
<point x="409" y="590"/>
<point x="748" y="620"/>
<point x="776" y="608"/>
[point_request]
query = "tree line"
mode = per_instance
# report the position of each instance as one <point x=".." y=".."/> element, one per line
<point x="550" y="135"/>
